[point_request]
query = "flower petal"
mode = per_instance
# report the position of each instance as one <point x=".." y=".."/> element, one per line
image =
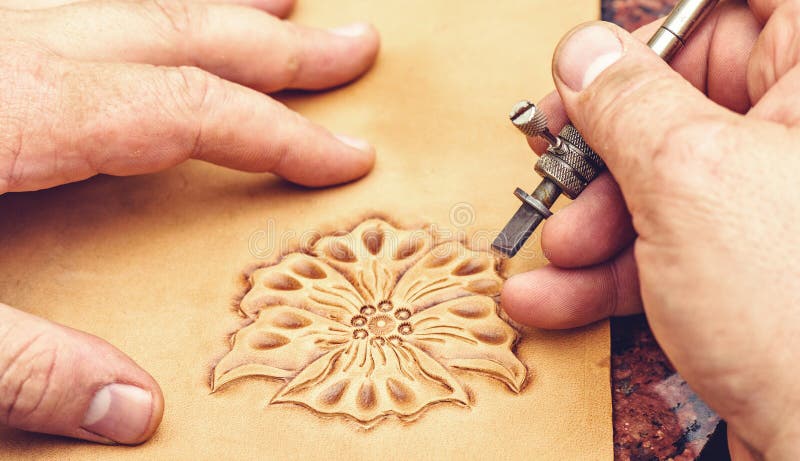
<point x="368" y="381"/>
<point x="280" y="343"/>
<point x="466" y="333"/>
<point x="448" y="271"/>
<point x="373" y="255"/>
<point x="305" y="282"/>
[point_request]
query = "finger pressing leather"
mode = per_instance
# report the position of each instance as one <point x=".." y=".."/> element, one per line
<point x="138" y="119"/>
<point x="565" y="298"/>
<point x="56" y="380"/>
<point x="237" y="43"/>
<point x="592" y="229"/>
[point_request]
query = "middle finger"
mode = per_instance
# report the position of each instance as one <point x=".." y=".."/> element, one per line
<point x="241" y="44"/>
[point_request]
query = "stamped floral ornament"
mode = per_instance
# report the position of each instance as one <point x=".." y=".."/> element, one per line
<point x="374" y="323"/>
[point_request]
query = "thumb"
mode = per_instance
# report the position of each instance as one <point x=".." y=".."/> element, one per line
<point x="627" y="102"/>
<point x="57" y="380"/>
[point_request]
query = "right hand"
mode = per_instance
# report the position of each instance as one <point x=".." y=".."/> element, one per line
<point x="131" y="87"/>
<point x="700" y="223"/>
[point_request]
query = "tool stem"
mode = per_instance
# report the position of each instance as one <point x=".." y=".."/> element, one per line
<point x="684" y="19"/>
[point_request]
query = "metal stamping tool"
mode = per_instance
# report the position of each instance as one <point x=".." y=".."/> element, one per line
<point x="569" y="164"/>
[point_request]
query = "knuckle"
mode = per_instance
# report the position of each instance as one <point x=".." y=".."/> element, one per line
<point x="613" y="108"/>
<point x="667" y="145"/>
<point x="780" y="41"/>
<point x="683" y="177"/>
<point x="694" y="144"/>
<point x="190" y="88"/>
<point x="10" y="152"/>
<point x="191" y="91"/>
<point x="290" y="60"/>
<point x="174" y="17"/>
<point x="634" y="113"/>
<point x="292" y="67"/>
<point x="26" y="375"/>
<point x="30" y="85"/>
<point x="667" y="164"/>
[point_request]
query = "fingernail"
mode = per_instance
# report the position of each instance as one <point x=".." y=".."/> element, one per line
<point x="586" y="54"/>
<point x="357" y="143"/>
<point x="351" y="30"/>
<point x="119" y="412"/>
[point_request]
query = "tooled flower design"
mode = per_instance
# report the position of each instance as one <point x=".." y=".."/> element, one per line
<point x="374" y="323"/>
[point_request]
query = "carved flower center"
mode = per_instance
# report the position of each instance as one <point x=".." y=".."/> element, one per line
<point x="380" y="325"/>
<point x="382" y="322"/>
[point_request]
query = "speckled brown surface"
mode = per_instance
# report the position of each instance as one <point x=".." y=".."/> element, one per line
<point x="633" y="14"/>
<point x="656" y="415"/>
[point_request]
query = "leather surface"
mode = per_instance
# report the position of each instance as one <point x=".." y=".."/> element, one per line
<point x="153" y="263"/>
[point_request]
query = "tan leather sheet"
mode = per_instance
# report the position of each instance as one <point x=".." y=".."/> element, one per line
<point x="153" y="264"/>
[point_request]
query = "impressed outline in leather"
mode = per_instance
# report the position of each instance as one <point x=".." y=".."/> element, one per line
<point x="374" y="323"/>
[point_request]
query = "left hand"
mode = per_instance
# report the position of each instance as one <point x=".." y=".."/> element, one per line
<point x="132" y="87"/>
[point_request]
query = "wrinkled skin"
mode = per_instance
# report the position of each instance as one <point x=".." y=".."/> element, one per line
<point x="698" y="222"/>
<point x="131" y="87"/>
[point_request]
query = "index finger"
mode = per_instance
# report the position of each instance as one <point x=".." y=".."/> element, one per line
<point x="140" y="119"/>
